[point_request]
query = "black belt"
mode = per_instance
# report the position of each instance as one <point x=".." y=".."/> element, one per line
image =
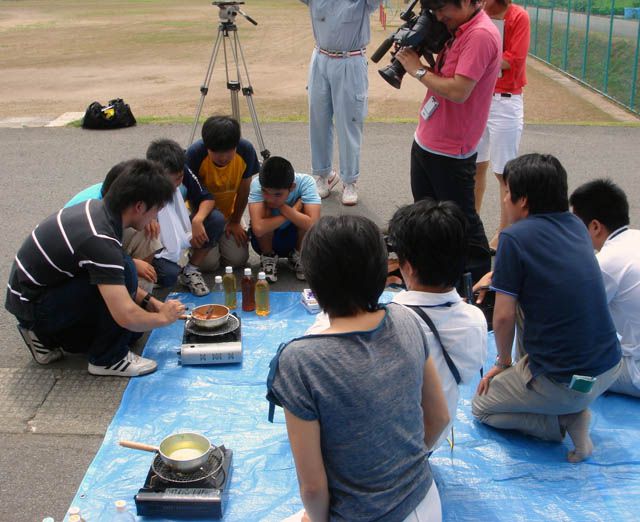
<point x="505" y="95"/>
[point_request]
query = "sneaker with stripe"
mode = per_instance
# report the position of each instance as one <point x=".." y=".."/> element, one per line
<point x="131" y="365"/>
<point x="41" y="354"/>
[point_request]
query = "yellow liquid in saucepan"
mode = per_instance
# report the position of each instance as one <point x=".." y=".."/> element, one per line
<point x="185" y="454"/>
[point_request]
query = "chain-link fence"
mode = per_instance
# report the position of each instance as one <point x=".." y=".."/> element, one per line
<point x="595" y="41"/>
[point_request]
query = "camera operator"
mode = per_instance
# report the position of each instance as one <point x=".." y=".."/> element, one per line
<point x="338" y="85"/>
<point x="454" y="113"/>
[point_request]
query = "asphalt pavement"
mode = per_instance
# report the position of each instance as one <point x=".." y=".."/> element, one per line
<point x="52" y="419"/>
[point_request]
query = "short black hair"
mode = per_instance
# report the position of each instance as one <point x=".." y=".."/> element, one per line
<point x="603" y="200"/>
<point x="432" y="237"/>
<point x="168" y="153"/>
<point x="111" y="176"/>
<point x="139" y="180"/>
<point x="344" y="259"/>
<point x="276" y="173"/>
<point x="541" y="179"/>
<point x="433" y="5"/>
<point x="221" y="133"/>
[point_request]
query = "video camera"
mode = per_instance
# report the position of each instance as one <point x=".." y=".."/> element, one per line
<point x="229" y="11"/>
<point x="421" y="32"/>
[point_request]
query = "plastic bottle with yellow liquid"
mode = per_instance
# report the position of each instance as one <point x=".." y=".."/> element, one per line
<point x="230" y="288"/>
<point x="262" y="295"/>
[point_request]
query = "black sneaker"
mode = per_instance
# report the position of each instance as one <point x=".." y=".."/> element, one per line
<point x="269" y="266"/>
<point x="41" y="354"/>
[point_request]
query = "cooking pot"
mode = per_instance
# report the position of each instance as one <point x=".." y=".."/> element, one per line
<point x="208" y="316"/>
<point x="183" y="452"/>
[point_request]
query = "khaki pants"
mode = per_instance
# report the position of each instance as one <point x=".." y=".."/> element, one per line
<point x="517" y="401"/>
<point x="624" y="384"/>
<point x="226" y="253"/>
<point x="138" y="245"/>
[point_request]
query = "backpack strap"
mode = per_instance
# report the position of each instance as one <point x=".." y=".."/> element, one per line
<point x="423" y="315"/>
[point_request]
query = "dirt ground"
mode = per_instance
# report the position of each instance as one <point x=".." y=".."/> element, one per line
<point x="60" y="55"/>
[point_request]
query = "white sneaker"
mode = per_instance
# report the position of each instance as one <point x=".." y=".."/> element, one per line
<point x="194" y="282"/>
<point x="131" y="365"/>
<point x="41" y="354"/>
<point x="349" y="194"/>
<point x="296" y="265"/>
<point x="326" y="183"/>
<point x="269" y="266"/>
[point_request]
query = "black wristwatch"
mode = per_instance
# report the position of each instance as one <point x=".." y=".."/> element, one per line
<point x="145" y="301"/>
<point x="500" y="365"/>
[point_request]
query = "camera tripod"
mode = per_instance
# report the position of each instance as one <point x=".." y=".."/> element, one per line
<point x="228" y="38"/>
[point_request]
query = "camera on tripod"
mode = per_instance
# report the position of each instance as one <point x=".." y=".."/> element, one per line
<point x="421" y="32"/>
<point x="229" y="11"/>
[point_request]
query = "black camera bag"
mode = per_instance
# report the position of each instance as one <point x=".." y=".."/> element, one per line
<point x="115" y="115"/>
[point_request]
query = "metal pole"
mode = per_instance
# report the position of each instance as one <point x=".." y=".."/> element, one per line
<point x="586" y="42"/>
<point x="634" y="82"/>
<point x="550" y="36"/>
<point x="535" y="37"/>
<point x="607" y="61"/>
<point x="566" y="38"/>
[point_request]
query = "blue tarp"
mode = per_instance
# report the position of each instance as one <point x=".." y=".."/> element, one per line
<point x="490" y="475"/>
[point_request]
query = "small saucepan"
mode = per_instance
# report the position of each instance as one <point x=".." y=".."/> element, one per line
<point x="208" y="316"/>
<point x="183" y="452"/>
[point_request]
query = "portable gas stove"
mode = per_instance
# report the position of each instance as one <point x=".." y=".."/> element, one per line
<point x="198" y="494"/>
<point x="222" y="345"/>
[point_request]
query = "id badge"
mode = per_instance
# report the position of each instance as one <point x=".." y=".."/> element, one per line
<point x="429" y="108"/>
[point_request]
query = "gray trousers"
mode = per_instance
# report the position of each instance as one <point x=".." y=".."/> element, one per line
<point x="624" y="384"/>
<point x="517" y="401"/>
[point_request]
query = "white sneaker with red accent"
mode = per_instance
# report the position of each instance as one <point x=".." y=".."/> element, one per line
<point x="326" y="183"/>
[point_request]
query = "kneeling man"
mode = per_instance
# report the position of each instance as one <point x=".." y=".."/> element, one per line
<point x="546" y="267"/>
<point x="72" y="287"/>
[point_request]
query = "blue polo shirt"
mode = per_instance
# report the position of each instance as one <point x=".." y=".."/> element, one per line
<point x="547" y="262"/>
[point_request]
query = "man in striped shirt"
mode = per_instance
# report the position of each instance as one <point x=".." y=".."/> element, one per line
<point x="72" y="287"/>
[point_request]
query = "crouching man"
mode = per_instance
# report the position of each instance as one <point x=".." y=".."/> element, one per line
<point x="73" y="288"/>
<point x="283" y="205"/>
<point x="604" y="209"/>
<point x="546" y="267"/>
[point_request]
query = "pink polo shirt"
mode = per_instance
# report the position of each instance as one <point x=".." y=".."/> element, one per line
<point x="454" y="129"/>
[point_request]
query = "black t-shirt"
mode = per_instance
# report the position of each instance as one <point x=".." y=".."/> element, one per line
<point x="84" y="240"/>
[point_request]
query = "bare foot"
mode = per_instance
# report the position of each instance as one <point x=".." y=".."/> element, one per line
<point x="577" y="426"/>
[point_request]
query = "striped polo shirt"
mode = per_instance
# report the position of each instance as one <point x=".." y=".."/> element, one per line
<point x="84" y="240"/>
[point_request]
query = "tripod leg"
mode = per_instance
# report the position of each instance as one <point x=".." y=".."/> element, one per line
<point x="236" y="48"/>
<point x="204" y="88"/>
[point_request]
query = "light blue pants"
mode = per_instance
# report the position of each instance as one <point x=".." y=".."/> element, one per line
<point x="337" y="89"/>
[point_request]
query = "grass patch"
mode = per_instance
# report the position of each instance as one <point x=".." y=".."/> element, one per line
<point x="617" y="82"/>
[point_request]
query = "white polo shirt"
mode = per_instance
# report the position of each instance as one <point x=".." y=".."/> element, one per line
<point x="463" y="331"/>
<point x="619" y="261"/>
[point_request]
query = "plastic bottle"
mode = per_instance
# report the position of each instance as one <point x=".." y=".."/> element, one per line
<point x="262" y="295"/>
<point x="230" y="288"/>
<point x="218" y="291"/>
<point x="75" y="515"/>
<point x="122" y="514"/>
<point x="248" y="289"/>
